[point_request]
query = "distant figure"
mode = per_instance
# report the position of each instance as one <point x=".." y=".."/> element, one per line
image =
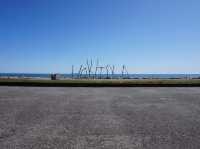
<point x="53" y="76"/>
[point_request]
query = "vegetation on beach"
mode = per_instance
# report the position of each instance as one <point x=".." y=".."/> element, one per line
<point x="102" y="83"/>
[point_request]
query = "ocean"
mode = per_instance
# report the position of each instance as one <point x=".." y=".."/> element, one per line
<point x="131" y="76"/>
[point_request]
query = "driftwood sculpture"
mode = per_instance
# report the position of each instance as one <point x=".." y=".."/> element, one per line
<point x="109" y="70"/>
<point x="89" y="67"/>
<point x="124" y="72"/>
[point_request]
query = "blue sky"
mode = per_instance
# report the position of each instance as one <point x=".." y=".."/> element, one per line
<point x="148" y="36"/>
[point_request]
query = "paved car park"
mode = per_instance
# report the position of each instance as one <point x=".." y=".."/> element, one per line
<point x="99" y="118"/>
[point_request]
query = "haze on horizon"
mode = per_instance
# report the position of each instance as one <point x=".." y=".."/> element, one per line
<point x="148" y="36"/>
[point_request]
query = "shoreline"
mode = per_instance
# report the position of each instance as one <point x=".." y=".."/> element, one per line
<point x="101" y="82"/>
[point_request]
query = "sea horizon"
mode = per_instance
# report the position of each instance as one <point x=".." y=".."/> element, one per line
<point x="117" y="75"/>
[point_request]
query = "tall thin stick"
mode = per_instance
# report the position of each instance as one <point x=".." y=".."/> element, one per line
<point x="80" y="71"/>
<point x="72" y="71"/>
<point x="89" y="67"/>
<point x="97" y="65"/>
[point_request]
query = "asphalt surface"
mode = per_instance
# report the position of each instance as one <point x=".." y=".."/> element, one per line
<point x="99" y="118"/>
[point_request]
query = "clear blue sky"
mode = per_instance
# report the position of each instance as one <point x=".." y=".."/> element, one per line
<point x="149" y="36"/>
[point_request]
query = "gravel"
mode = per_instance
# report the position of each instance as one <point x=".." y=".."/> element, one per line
<point x="99" y="118"/>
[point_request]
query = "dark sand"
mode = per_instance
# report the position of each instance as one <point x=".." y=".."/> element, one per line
<point x="99" y="118"/>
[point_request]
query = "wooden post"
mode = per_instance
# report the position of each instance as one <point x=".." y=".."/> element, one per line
<point x="80" y="71"/>
<point x="107" y="71"/>
<point x="123" y="67"/>
<point x="113" y="70"/>
<point x="97" y="65"/>
<point x="84" y="70"/>
<point x="72" y="71"/>
<point x="101" y="68"/>
<point x="124" y="71"/>
<point x="89" y="67"/>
